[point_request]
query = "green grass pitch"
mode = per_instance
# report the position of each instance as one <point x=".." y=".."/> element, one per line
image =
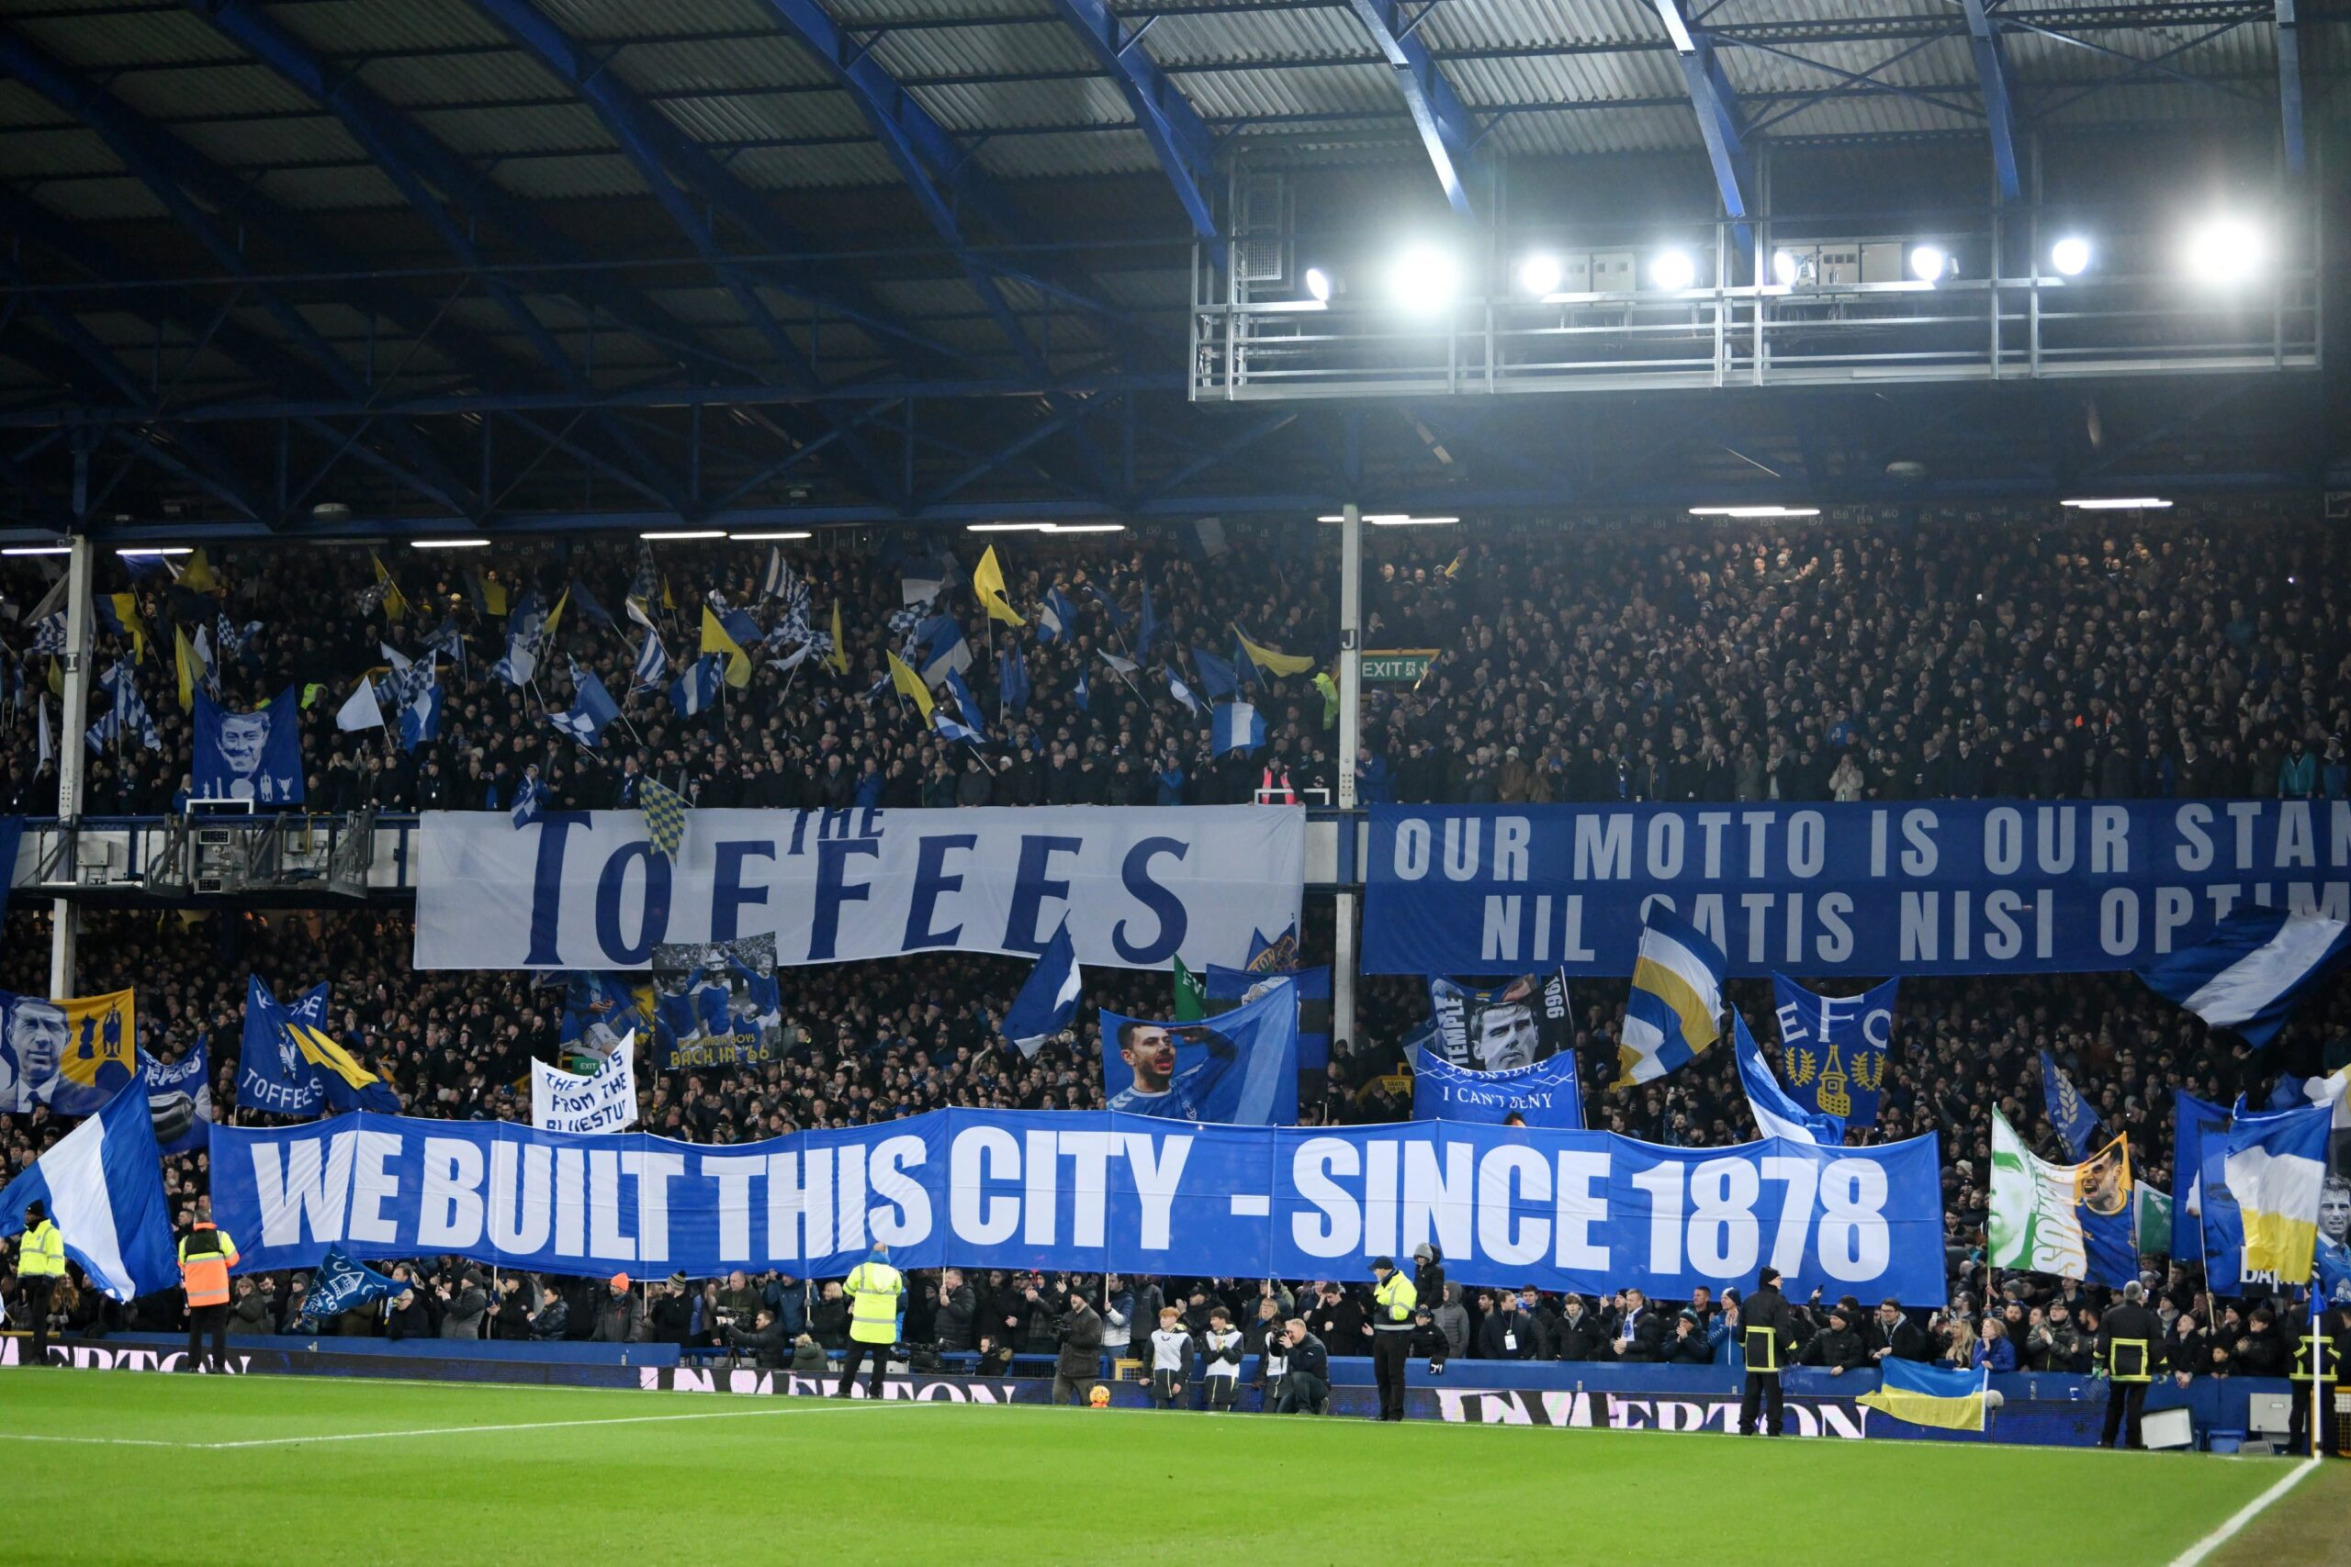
<point x="140" y="1468"/>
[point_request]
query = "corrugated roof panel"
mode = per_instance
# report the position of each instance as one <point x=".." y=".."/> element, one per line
<point x="35" y="154"/>
<point x="1586" y="131"/>
<point x="1566" y="79"/>
<point x="100" y="201"/>
<point x="251" y="88"/>
<point x="866" y="12"/>
<point x="555" y="179"/>
<point x="1068" y="153"/>
<point x="1944" y="62"/>
<point x="348" y="27"/>
<point x="766" y="117"/>
<point x="981" y="51"/>
<point x="1298" y="90"/>
<point x="605" y="20"/>
<point x="1853" y="114"/>
<point x="1095" y="101"/>
<point x="158" y="37"/>
<point x="330" y="190"/>
<point x="814" y="168"/>
<point x="250" y="144"/>
<point x="1222" y="37"/>
<point x="506" y="129"/>
<point x="1495" y="24"/>
<point x="768" y="61"/>
<point x="508" y="76"/>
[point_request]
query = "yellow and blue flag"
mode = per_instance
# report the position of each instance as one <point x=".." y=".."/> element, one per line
<point x="715" y="639"/>
<point x="665" y="817"/>
<point x="1926" y="1396"/>
<point x="70" y="1056"/>
<point x="1676" y="1003"/>
<point x="291" y="1065"/>
<point x="2276" y="1167"/>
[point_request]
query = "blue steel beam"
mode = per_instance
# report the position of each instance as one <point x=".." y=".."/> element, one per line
<point x="160" y="162"/>
<point x="1991" y="69"/>
<point x="386" y="138"/>
<point x="1447" y="129"/>
<point x="1179" y="138"/>
<point x="2290" y="83"/>
<point x="658" y="150"/>
<point x="1717" y="108"/>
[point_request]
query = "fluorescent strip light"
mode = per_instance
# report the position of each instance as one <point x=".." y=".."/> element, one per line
<point x="676" y="534"/>
<point x="448" y="544"/>
<point x="1411" y="522"/>
<point x="1008" y="527"/>
<point x="2118" y="503"/>
<point x="38" y="549"/>
<point x="160" y="549"/>
<point x="1085" y="527"/>
<point x="1754" y="511"/>
<point x="760" y="538"/>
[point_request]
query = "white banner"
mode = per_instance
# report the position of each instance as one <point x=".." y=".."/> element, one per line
<point x="603" y="1101"/>
<point x="585" y="890"/>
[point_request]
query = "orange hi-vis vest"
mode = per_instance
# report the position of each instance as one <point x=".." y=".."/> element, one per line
<point x="205" y="1274"/>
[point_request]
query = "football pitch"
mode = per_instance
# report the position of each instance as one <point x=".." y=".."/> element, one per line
<point x="141" y="1468"/>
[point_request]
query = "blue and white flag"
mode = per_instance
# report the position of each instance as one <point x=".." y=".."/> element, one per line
<point x="1238" y="1069"/>
<point x="652" y="662"/>
<point x="339" y="1285"/>
<point x="1082" y="693"/>
<point x="592" y="707"/>
<point x="1833" y="1048"/>
<point x="939" y="649"/>
<point x="2248" y="977"/>
<point x="1236" y="726"/>
<point x="447" y="641"/>
<point x="1110" y="610"/>
<point x="1146" y="625"/>
<point x="966" y="704"/>
<point x="102" y="1185"/>
<point x="952" y="731"/>
<point x="48" y="635"/>
<point x="776" y="581"/>
<point x="2275" y="1165"/>
<point x="289" y="1064"/>
<point x="253" y="756"/>
<point x="1049" y="999"/>
<point x="1226" y="988"/>
<point x="125" y="714"/>
<point x="2075" y="1121"/>
<point x="1057" y="618"/>
<point x="2200" y="1129"/>
<point x="697" y="690"/>
<point x="420" y="717"/>
<point x="1182" y="693"/>
<point x="1216" y="675"/>
<point x="1676" y="999"/>
<point x="180" y="1098"/>
<point x="1776" y="1113"/>
<point x="525" y="630"/>
<point x="1545" y="1094"/>
<point x="530" y="797"/>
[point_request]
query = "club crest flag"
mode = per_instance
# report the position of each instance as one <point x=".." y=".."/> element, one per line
<point x="2072" y="1221"/>
<point x="70" y="1056"/>
<point x="290" y="1064"/>
<point x="339" y="1285"/>
<point x="1833" y="1048"/>
<point x="603" y="1101"/>
<point x="1543" y="1094"/>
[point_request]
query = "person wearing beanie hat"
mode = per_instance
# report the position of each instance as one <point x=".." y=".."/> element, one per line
<point x="877" y="1303"/>
<point x="1766" y="1333"/>
<point x="1391" y="1334"/>
<point x="40" y="1262"/>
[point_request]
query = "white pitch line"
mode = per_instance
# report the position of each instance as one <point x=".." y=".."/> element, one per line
<point x="2242" y="1516"/>
<point x="527" y="1425"/>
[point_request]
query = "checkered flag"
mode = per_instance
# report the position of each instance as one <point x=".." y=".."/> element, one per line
<point x="665" y="817"/>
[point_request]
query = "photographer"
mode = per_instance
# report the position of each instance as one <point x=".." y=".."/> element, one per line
<point x="1077" y="1368"/>
<point x="764" y="1339"/>
<point x="1306" y="1384"/>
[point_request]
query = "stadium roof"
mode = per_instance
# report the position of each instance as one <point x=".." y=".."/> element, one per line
<point x="252" y="237"/>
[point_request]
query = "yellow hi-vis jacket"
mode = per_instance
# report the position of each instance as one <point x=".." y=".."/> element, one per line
<point x="1395" y="1300"/>
<point x="41" y="1254"/>
<point x="876" y="1291"/>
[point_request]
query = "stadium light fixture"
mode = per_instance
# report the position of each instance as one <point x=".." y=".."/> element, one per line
<point x="1540" y="274"/>
<point x="2070" y="256"/>
<point x="1749" y="512"/>
<point x="1407" y="521"/>
<point x="1085" y="527"/>
<point x="762" y="538"/>
<point x="2117" y="503"/>
<point x="1318" y="285"/>
<point x="2225" y="251"/>
<point x="37" y="549"/>
<point x="153" y="549"/>
<point x="1929" y="262"/>
<point x="1008" y="527"/>
<point x="1673" y="270"/>
<point x="678" y="535"/>
<point x="448" y="544"/>
<point x="1424" y="280"/>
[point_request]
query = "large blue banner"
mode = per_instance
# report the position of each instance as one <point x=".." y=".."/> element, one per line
<point x="1953" y="887"/>
<point x="1239" y="1068"/>
<point x="1096" y="1192"/>
<point x="254" y="756"/>
<point x="1545" y="1094"/>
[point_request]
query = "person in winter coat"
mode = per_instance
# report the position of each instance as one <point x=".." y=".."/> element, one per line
<point x="463" y="1305"/>
<point x="409" y="1317"/>
<point x="1452" y="1320"/>
<point x="828" y="1319"/>
<point x="1836" y="1346"/>
<point x="808" y="1357"/>
<point x="1077" y="1367"/>
<point x="1507" y="1333"/>
<point x="1577" y="1334"/>
<point x="957" y="1318"/>
<point x="787" y="1297"/>
<point x="619" y="1313"/>
<point x="763" y="1340"/>
<point x="249" y="1313"/>
<point x="1428" y="1275"/>
<point x="1118" y="1316"/>
<point x="552" y="1318"/>
<point x="670" y="1318"/>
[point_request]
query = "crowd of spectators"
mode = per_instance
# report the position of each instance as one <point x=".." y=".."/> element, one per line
<point x="1852" y="659"/>
<point x="876" y="1041"/>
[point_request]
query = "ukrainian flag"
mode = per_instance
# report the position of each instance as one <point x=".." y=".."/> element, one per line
<point x="1924" y="1396"/>
<point x="1676" y="1001"/>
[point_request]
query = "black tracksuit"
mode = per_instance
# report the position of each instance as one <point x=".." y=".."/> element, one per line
<point x="1766" y="1331"/>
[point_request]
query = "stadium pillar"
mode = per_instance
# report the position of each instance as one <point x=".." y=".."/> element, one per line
<point x="1350" y="738"/>
<point x="74" y="721"/>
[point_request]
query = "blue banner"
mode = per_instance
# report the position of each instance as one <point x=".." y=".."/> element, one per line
<point x="254" y="756"/>
<point x="289" y="1064"/>
<point x="341" y="1284"/>
<point x="1952" y="887"/>
<point x="716" y="1004"/>
<point x="601" y="1010"/>
<point x="2075" y="1121"/>
<point x="1229" y="987"/>
<point x="1500" y="1028"/>
<point x="1239" y="1068"/>
<point x="2199" y="1208"/>
<point x="1833" y="1048"/>
<point x="1545" y="1094"/>
<point x="1096" y="1192"/>
<point x="179" y="1097"/>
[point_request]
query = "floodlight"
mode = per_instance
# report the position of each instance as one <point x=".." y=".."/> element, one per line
<point x="2225" y="251"/>
<point x="1423" y="280"/>
<point x="1318" y="285"/>
<point x="2070" y="256"/>
<point x="1928" y="262"/>
<point x="1540" y="274"/>
<point x="1784" y="268"/>
<point x="1673" y="269"/>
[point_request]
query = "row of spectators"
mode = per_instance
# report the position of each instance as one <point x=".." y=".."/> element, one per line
<point x="1855" y="659"/>
<point x="873" y="1042"/>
